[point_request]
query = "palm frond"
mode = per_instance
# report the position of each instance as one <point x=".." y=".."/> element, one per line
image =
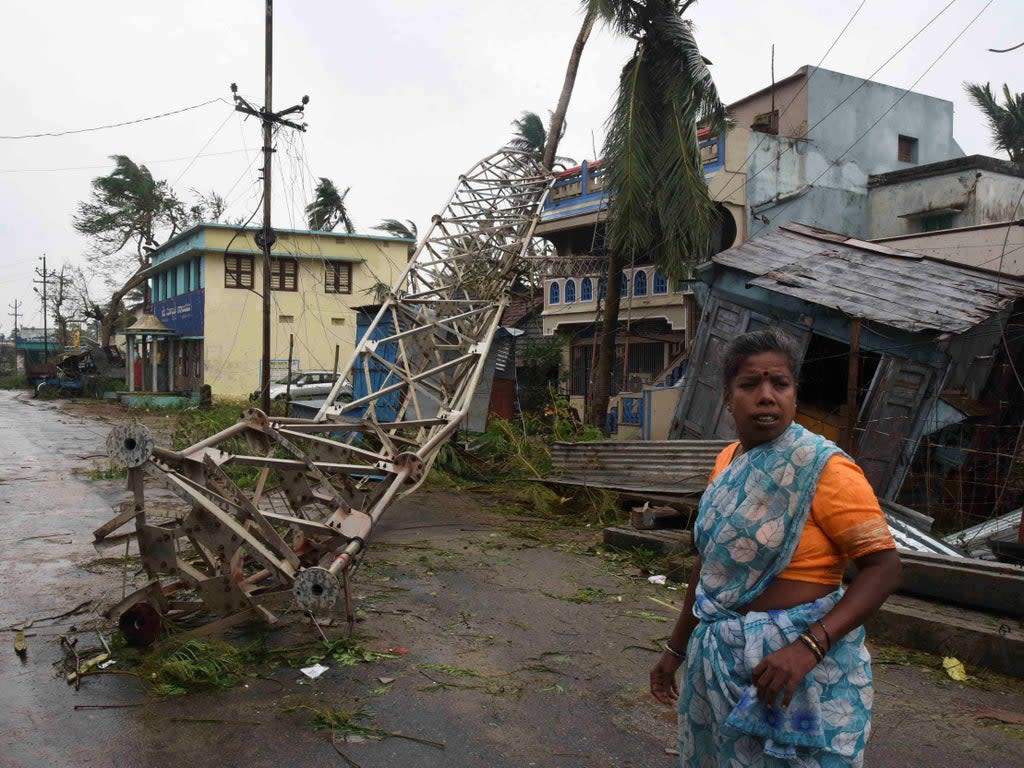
<point x="406" y="229"/>
<point x="1006" y="121"/>
<point x="529" y="135"/>
<point x="632" y="135"/>
<point x="328" y="208"/>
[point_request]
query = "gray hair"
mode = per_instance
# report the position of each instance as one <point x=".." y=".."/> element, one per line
<point x="755" y="343"/>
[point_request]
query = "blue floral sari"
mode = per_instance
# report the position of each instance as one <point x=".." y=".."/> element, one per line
<point x="747" y="529"/>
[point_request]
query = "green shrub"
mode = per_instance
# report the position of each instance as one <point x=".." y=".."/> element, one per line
<point x="15" y="381"/>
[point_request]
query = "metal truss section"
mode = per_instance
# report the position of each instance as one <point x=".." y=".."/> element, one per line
<point x="299" y="518"/>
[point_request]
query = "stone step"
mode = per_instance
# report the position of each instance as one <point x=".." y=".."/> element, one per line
<point x="977" y="639"/>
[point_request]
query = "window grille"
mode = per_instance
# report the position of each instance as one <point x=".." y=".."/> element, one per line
<point x="238" y="272"/>
<point x="640" y="283"/>
<point x="586" y="289"/>
<point x="338" y="277"/>
<point x="660" y="284"/>
<point x="284" y="274"/>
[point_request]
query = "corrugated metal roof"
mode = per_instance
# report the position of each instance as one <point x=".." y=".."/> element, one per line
<point x="871" y="281"/>
<point x="657" y="467"/>
<point x="680" y="469"/>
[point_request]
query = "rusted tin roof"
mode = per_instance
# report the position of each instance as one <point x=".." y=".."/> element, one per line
<point x="871" y="281"/>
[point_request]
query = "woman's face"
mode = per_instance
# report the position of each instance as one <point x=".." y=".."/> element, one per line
<point x="762" y="398"/>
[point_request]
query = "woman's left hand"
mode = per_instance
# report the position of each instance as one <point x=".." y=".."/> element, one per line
<point x="781" y="672"/>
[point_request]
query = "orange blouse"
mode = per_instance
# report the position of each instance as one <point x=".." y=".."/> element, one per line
<point x="845" y="522"/>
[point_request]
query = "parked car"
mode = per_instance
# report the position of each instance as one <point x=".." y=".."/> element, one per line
<point x="306" y="385"/>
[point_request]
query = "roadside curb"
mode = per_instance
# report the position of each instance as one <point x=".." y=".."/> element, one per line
<point x="977" y="639"/>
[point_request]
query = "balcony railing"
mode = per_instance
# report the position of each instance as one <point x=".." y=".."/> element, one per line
<point x="584" y="189"/>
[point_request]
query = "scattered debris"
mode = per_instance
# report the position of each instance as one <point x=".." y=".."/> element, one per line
<point x="659" y="580"/>
<point x="80" y="608"/>
<point x="954" y="668"/>
<point x="314" y="671"/>
<point x="1000" y="715"/>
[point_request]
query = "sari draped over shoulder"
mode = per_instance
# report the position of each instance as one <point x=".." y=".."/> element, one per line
<point x="747" y="528"/>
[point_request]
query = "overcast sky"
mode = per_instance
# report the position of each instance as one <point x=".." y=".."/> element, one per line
<point x="404" y="94"/>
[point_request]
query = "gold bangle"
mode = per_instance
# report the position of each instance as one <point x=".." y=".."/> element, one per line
<point x="808" y="639"/>
<point x="672" y="651"/>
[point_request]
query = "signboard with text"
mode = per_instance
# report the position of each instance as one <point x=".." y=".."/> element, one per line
<point x="182" y="314"/>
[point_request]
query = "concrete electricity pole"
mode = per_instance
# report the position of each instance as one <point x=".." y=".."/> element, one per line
<point x="44" y="279"/>
<point x="14" y="313"/>
<point x="266" y="237"/>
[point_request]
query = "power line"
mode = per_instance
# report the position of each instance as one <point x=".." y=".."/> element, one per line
<point x="113" y="125"/>
<point x="107" y="166"/>
<point x="892" y="106"/>
<point x="745" y="180"/>
<point x="803" y="85"/>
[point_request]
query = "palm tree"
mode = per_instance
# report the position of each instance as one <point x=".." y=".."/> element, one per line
<point x="127" y="207"/>
<point x="557" y="126"/>
<point x="529" y="135"/>
<point x="1006" y="121"/>
<point x="661" y="210"/>
<point x="328" y="208"/>
<point x="406" y="229"/>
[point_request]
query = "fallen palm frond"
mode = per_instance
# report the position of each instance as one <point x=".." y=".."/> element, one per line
<point x="194" y="665"/>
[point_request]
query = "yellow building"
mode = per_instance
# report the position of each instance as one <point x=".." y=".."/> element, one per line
<point x="207" y="285"/>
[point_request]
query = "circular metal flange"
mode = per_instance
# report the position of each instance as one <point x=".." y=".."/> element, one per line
<point x="130" y="445"/>
<point x="140" y="625"/>
<point x="414" y="464"/>
<point x="316" y="590"/>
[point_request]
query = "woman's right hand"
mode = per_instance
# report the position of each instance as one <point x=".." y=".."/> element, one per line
<point x="663" y="679"/>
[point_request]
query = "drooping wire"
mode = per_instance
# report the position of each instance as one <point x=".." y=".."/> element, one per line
<point x="112" y="125"/>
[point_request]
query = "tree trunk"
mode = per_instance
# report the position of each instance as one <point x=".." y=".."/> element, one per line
<point x="558" y="116"/>
<point x="110" y="316"/>
<point x="601" y="392"/>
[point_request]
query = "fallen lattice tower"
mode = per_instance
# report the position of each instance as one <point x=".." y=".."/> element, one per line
<point x="323" y="483"/>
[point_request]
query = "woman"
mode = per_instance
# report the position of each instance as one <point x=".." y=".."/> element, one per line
<point x="778" y="674"/>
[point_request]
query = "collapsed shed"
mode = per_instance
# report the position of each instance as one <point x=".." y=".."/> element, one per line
<point x="910" y="363"/>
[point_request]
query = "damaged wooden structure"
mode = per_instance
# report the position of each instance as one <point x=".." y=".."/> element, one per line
<point x="910" y="363"/>
<point x="319" y="485"/>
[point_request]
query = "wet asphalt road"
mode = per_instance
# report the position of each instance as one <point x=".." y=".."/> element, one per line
<point x="556" y="680"/>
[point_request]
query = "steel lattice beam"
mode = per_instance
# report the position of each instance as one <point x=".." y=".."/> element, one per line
<point x="325" y="482"/>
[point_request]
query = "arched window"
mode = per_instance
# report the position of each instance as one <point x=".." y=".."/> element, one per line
<point x="602" y="288"/>
<point x="586" y="289"/>
<point x="660" y="284"/>
<point x="623" y="284"/>
<point x="640" y="283"/>
<point x="554" y="292"/>
<point x="570" y="291"/>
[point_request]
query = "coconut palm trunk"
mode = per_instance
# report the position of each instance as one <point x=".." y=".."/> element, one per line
<point x="660" y="211"/>
<point x="558" y="116"/>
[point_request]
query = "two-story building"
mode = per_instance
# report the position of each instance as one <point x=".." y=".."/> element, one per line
<point x="207" y="285"/>
<point x="800" y="150"/>
<point x="803" y="149"/>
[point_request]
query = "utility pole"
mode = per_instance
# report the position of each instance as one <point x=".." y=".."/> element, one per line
<point x="44" y="281"/>
<point x="14" y="314"/>
<point x="266" y="237"/>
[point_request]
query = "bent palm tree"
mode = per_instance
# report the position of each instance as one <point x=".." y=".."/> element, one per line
<point x="557" y="126"/>
<point x="328" y="208"/>
<point x="406" y="229"/>
<point x="529" y="135"/>
<point x="1006" y="121"/>
<point x="661" y="210"/>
